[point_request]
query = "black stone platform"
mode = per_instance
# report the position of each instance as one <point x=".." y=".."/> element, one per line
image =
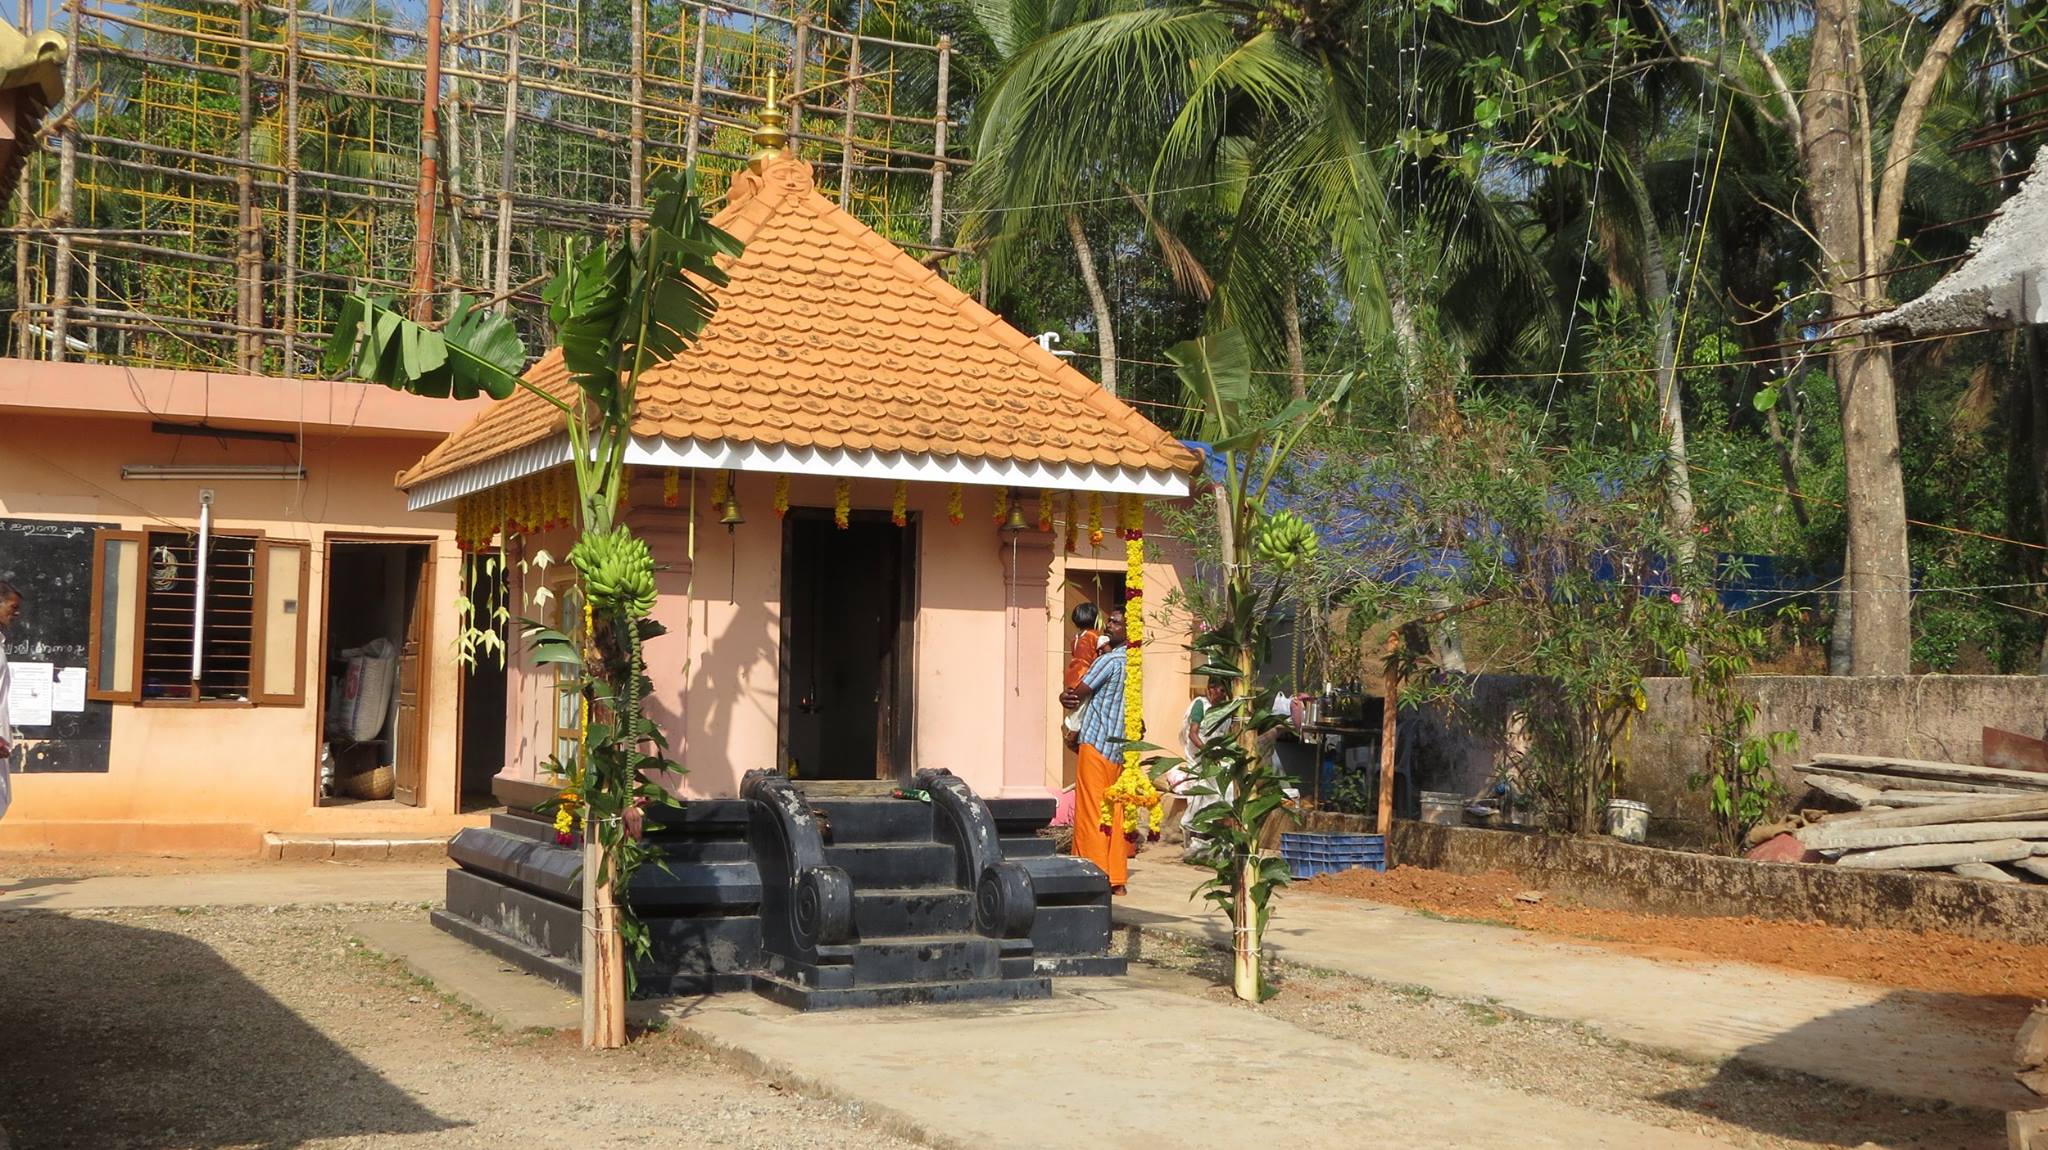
<point x="817" y="902"/>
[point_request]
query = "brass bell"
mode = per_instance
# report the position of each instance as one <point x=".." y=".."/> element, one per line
<point x="1014" y="524"/>
<point x="730" y="513"/>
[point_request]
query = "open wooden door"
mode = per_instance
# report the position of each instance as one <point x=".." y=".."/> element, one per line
<point x="411" y="674"/>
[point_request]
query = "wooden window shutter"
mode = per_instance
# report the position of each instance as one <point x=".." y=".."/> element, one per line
<point x="113" y="652"/>
<point x="283" y="574"/>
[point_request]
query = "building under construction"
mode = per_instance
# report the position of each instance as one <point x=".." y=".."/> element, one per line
<point x="223" y="170"/>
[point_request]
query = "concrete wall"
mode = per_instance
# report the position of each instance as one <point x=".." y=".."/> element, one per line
<point x="1918" y="716"/>
<point x="988" y="639"/>
<point x="215" y="778"/>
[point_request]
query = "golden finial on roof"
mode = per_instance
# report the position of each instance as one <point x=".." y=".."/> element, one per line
<point x="771" y="135"/>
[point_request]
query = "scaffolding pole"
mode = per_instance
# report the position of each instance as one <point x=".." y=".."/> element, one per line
<point x="501" y="273"/>
<point x="939" y="142"/>
<point x="430" y="148"/>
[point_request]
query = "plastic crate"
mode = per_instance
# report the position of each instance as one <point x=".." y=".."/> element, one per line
<point x="1308" y="855"/>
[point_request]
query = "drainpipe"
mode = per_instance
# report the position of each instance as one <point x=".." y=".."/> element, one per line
<point x="199" y="589"/>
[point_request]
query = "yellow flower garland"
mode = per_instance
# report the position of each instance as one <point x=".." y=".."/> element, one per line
<point x="781" y="496"/>
<point x="842" y="504"/>
<point x="1002" y="504"/>
<point x="956" y="510"/>
<point x="1045" y="510"/>
<point x="1072" y="526"/>
<point x="1133" y="790"/>
<point x="899" y="505"/>
<point x="671" y="487"/>
<point x="720" y="480"/>
<point x="1094" y="519"/>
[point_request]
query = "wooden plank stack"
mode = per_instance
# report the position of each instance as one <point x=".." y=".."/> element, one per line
<point x="1987" y="823"/>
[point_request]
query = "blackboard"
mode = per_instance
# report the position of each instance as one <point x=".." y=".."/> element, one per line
<point x="50" y="562"/>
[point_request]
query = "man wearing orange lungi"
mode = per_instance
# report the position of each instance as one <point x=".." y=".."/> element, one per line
<point x="1101" y="758"/>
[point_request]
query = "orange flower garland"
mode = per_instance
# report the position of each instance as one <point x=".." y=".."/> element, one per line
<point x="956" y="509"/>
<point x="671" y="487"/>
<point x="1073" y="527"/>
<point x="781" y="496"/>
<point x="1094" y="519"/>
<point x="842" y="504"/>
<point x="899" y="507"/>
<point x="719" y="483"/>
<point x="1002" y="505"/>
<point x="1045" y="510"/>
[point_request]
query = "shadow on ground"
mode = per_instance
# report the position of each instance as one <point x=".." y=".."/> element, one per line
<point x="113" y="1035"/>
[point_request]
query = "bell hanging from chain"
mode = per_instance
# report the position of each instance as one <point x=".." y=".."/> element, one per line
<point x="730" y="513"/>
<point x="1014" y="523"/>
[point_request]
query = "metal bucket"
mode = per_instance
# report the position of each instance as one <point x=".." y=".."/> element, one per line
<point x="1628" y="820"/>
<point x="1443" y="808"/>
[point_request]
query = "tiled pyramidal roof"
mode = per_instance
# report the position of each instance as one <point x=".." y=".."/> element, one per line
<point x="834" y="352"/>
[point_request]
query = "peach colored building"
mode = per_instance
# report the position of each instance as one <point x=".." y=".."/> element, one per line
<point x="918" y="626"/>
<point x="106" y="474"/>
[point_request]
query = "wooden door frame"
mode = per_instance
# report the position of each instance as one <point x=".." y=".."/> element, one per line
<point x="903" y="709"/>
<point x="432" y="543"/>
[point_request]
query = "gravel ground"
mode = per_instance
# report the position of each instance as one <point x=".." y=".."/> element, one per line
<point x="271" y="1027"/>
<point x="1730" y="1102"/>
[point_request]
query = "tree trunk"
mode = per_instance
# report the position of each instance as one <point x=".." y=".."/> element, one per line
<point x="1297" y="365"/>
<point x="2037" y="387"/>
<point x="1244" y="934"/>
<point x="1840" y="207"/>
<point x="1842" y="640"/>
<point x="604" y="965"/>
<point x="1670" y="401"/>
<point x="1098" y="300"/>
<point x="1390" y="707"/>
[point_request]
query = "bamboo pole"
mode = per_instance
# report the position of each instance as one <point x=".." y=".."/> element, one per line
<point x="800" y="50"/>
<point x="249" y="235"/>
<point x="501" y="273"/>
<point x="290" y="311"/>
<point x="451" y="191"/>
<point x="846" y="128"/>
<point x="939" y="140"/>
<point x="696" y="117"/>
<point x="21" y="213"/>
<point x="430" y="148"/>
<point x="67" y="192"/>
<point x="636" y="194"/>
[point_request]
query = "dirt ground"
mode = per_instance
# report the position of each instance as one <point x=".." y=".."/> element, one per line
<point x="1898" y="958"/>
<point x="272" y="1027"/>
<point x="1732" y="1102"/>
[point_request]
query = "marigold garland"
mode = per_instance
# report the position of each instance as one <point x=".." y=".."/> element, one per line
<point x="1044" y="510"/>
<point x="1002" y="505"/>
<point x="842" y="504"/>
<point x="671" y="487"/>
<point x="720" y="481"/>
<point x="899" y="505"/>
<point x="781" y="496"/>
<point x="1133" y="792"/>
<point x="1094" y="519"/>
<point x="1073" y="527"/>
<point x="956" y="510"/>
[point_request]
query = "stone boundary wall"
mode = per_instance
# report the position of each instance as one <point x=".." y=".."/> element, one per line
<point x="1616" y="876"/>
<point x="1914" y="716"/>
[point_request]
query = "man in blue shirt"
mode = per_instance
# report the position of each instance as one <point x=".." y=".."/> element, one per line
<point x="1102" y="756"/>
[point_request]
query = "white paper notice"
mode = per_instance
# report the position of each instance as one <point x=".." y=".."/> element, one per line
<point x="28" y="704"/>
<point x="69" y="692"/>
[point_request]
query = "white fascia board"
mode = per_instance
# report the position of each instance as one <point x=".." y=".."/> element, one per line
<point x="776" y="459"/>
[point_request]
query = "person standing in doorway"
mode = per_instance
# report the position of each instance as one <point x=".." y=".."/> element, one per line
<point x="10" y="607"/>
<point x="1088" y="643"/>
<point x="1100" y="696"/>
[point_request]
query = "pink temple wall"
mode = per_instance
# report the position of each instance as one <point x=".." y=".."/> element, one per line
<point x="980" y="638"/>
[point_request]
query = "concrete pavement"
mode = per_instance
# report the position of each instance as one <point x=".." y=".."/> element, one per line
<point x="1906" y="1043"/>
<point x="256" y="884"/>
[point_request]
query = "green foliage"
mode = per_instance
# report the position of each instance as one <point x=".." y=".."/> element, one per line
<point x="475" y="352"/>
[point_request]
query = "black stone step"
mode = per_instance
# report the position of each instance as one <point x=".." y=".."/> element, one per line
<point x="894" y="866"/>
<point x="903" y="994"/>
<point x="933" y="958"/>
<point x="863" y="820"/>
<point x="914" y="911"/>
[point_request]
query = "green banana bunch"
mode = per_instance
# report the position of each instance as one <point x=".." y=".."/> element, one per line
<point x="1285" y="540"/>
<point x="617" y="570"/>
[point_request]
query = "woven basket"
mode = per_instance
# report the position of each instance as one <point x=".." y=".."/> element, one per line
<point x="375" y="783"/>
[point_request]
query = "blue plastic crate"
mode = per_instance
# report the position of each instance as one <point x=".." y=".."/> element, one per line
<point x="1307" y="854"/>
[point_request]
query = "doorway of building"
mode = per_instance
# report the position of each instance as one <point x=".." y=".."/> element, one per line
<point x="1105" y="589"/>
<point x="483" y="688"/>
<point x="372" y="687"/>
<point x="848" y="615"/>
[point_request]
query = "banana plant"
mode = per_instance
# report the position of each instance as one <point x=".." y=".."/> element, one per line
<point x="617" y="309"/>
<point x="1258" y="552"/>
